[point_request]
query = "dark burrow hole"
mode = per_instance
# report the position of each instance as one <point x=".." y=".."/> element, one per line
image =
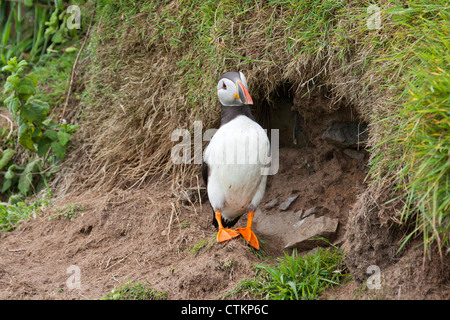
<point x="322" y="166"/>
<point x="86" y="230"/>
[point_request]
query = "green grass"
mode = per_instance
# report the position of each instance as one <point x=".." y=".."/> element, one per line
<point x="134" y="290"/>
<point x="203" y="243"/>
<point x="426" y="119"/>
<point x="70" y="212"/>
<point x="18" y="209"/>
<point x="294" y="277"/>
<point x="415" y="148"/>
<point x="54" y="78"/>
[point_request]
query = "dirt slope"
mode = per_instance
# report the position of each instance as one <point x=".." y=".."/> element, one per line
<point x="119" y="237"/>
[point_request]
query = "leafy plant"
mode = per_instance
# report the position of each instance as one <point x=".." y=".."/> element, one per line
<point x="6" y="157"/>
<point x="46" y="34"/>
<point x="57" y="26"/>
<point x="37" y="132"/>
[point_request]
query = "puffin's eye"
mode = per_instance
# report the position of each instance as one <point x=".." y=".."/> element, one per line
<point x="224" y="86"/>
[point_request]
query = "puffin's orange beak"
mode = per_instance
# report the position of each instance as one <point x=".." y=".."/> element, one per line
<point x="243" y="93"/>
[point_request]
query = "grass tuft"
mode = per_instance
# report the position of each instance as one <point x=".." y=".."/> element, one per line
<point x="294" y="277"/>
<point x="134" y="290"/>
<point x="70" y="212"/>
<point x="18" y="209"/>
<point x="414" y="132"/>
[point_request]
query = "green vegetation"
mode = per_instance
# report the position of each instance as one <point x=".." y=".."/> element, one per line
<point x="134" y="290"/>
<point x="185" y="224"/>
<point x="37" y="132"/>
<point x="203" y="243"/>
<point x="32" y="28"/>
<point x="53" y="78"/>
<point x="12" y="213"/>
<point x="295" y="277"/>
<point x="33" y="144"/>
<point x="27" y="161"/>
<point x="69" y="212"/>
<point x="413" y="130"/>
<point x="424" y="130"/>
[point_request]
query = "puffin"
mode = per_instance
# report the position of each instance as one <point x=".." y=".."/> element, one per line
<point x="232" y="167"/>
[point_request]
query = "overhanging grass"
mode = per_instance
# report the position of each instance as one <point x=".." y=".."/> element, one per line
<point x="416" y="149"/>
<point x="426" y="120"/>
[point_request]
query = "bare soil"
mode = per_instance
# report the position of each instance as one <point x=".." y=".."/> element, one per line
<point x="119" y="237"/>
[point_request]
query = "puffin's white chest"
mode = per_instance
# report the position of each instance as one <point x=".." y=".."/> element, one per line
<point x="235" y="159"/>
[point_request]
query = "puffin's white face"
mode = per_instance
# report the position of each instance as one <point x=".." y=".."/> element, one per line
<point x="233" y="90"/>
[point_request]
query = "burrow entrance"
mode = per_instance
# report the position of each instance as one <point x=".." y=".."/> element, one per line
<point x="322" y="166"/>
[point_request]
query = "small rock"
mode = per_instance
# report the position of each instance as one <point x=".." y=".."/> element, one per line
<point x="271" y="204"/>
<point x="274" y="225"/>
<point x="299" y="213"/>
<point x="346" y="134"/>
<point x="359" y="156"/>
<point x="287" y="203"/>
<point x="299" y="223"/>
<point x="311" y="211"/>
<point x="312" y="227"/>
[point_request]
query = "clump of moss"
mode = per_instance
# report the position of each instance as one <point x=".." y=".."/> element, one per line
<point x="134" y="290"/>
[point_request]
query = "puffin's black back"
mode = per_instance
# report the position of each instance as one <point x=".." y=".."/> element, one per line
<point x="230" y="113"/>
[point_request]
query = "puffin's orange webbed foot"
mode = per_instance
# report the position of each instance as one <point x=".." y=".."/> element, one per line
<point x="248" y="234"/>
<point x="224" y="234"/>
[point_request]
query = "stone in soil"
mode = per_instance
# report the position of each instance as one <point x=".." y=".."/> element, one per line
<point x="287" y="203"/>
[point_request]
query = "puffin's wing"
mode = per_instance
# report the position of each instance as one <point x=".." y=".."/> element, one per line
<point x="205" y="172"/>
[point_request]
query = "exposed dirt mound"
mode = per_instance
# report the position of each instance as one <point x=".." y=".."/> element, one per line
<point x="120" y="236"/>
<point x="372" y="241"/>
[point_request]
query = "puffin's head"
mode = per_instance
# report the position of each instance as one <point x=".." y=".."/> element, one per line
<point x="232" y="90"/>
